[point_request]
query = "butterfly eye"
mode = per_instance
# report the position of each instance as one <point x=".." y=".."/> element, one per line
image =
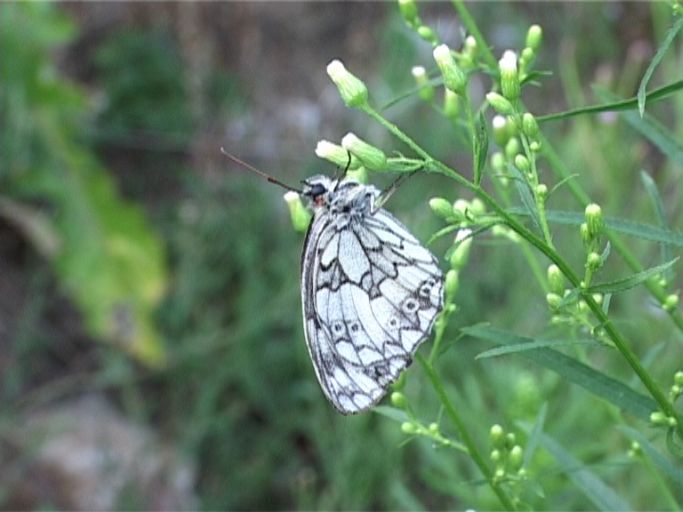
<point x="317" y="190"/>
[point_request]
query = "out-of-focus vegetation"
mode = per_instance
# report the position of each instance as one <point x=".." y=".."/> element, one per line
<point x="120" y="223"/>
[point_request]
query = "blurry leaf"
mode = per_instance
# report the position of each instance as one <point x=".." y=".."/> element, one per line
<point x="107" y="259"/>
<point x="629" y="282"/>
<point x="590" y="484"/>
<point x="535" y="436"/>
<point x="658" y="205"/>
<point x="617" y="105"/>
<point x="574" y="371"/>
<point x="668" y="39"/>
<point x="480" y="147"/>
<point x="33" y="224"/>
<point x="626" y="227"/>
<point x="651" y="129"/>
<point x="533" y="345"/>
<point x="391" y="413"/>
<point x="668" y="468"/>
<point x="525" y="195"/>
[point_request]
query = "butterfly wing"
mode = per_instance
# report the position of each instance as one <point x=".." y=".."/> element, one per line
<point x="370" y="295"/>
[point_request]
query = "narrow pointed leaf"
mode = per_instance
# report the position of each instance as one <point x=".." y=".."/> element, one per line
<point x="658" y="204"/>
<point x="480" y="147"/>
<point x="629" y="282"/>
<point x="601" y="495"/>
<point x="574" y="371"/>
<point x="668" y="39"/>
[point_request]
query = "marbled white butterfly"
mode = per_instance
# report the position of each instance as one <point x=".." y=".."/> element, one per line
<point x="370" y="291"/>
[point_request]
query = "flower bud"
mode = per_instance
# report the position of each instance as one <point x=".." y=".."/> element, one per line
<point x="597" y="297"/>
<point x="500" y="130"/>
<point x="499" y="103"/>
<point x="516" y="458"/>
<point x="451" y="283"/>
<point x="678" y="378"/>
<point x="526" y="58"/>
<point x="509" y="78"/>
<point x="462" y="249"/>
<point x="398" y="399"/>
<point x="495" y="456"/>
<point x="441" y="207"/>
<point x="477" y="207"/>
<point x="510" y="440"/>
<point x="335" y="154"/>
<point x="529" y="125"/>
<point x="555" y="280"/>
<point x="593" y="261"/>
<point x="360" y="174"/>
<point x="408" y="427"/>
<point x="471" y="45"/>
<point x="409" y="12"/>
<point x="453" y="77"/>
<point x="450" y="104"/>
<point x="658" y="418"/>
<point x="585" y="236"/>
<point x="534" y="36"/>
<point x="433" y="428"/>
<point x="535" y="146"/>
<point x="425" y="91"/>
<point x="670" y="302"/>
<point x="542" y="191"/>
<point x="427" y="34"/>
<point x="522" y="163"/>
<point x="352" y="90"/>
<point x="554" y="300"/>
<point x="299" y="214"/>
<point x="460" y="207"/>
<point x="594" y="220"/>
<point x="497" y="436"/>
<point x="370" y="156"/>
<point x="512" y="148"/>
<point x="498" y="162"/>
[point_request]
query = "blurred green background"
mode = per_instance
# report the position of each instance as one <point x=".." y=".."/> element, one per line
<point x="149" y="294"/>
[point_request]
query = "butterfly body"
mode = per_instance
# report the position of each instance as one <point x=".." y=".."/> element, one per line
<point x="370" y="293"/>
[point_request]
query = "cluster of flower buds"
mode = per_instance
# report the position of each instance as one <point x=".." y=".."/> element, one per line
<point x="534" y="36"/>
<point x="506" y="454"/>
<point x="676" y="389"/>
<point x="411" y="16"/>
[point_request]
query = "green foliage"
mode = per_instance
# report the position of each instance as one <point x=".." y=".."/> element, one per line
<point x="104" y="253"/>
<point x="580" y="312"/>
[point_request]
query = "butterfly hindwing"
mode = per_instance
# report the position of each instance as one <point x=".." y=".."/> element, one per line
<point x="370" y="294"/>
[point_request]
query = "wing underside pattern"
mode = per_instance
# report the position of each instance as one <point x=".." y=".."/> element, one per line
<point x="371" y="293"/>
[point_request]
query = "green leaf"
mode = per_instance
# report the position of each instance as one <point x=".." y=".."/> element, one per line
<point x="525" y="195"/>
<point x="658" y="205"/>
<point x="574" y="371"/>
<point x="391" y="413"/>
<point x="601" y="495"/>
<point x="533" y="345"/>
<point x="629" y="282"/>
<point x="535" y="436"/>
<point x="652" y="129"/>
<point x="668" y="468"/>
<point x="626" y="227"/>
<point x="615" y="106"/>
<point x="480" y="147"/>
<point x="670" y="36"/>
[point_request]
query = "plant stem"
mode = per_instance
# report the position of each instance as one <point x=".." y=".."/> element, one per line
<point x="459" y="425"/>
<point x="616" y="337"/>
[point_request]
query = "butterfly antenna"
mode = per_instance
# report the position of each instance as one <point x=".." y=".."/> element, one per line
<point x="253" y="169"/>
<point x="339" y="179"/>
<point x="389" y="191"/>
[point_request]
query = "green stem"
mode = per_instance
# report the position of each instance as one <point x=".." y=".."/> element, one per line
<point x="464" y="435"/>
<point x="472" y="28"/>
<point x="616" y="337"/>
<point x="655" y="289"/>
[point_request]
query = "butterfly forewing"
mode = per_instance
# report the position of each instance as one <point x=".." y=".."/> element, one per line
<point x="370" y="294"/>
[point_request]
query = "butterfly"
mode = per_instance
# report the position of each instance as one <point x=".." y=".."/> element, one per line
<point x="370" y="292"/>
